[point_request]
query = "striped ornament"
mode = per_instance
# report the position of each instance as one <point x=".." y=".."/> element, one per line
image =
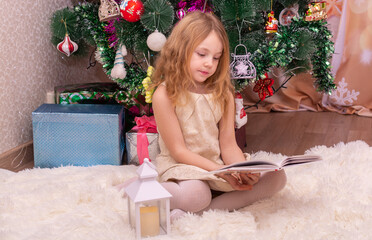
<point x="67" y="46"/>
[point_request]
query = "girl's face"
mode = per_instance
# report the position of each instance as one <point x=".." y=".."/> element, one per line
<point x="205" y="59"/>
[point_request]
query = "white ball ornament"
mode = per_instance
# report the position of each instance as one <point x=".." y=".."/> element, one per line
<point x="156" y="41"/>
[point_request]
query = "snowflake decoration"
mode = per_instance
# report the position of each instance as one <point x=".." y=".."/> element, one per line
<point x="241" y="68"/>
<point x="342" y="96"/>
<point x="366" y="57"/>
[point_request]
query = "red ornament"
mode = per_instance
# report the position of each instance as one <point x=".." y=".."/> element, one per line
<point x="67" y="46"/>
<point x="131" y="10"/>
<point x="271" y="25"/>
<point x="264" y="87"/>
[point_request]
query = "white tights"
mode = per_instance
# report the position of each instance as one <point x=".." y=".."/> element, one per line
<point x="195" y="195"/>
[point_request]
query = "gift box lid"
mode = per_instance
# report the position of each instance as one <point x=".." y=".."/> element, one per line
<point x="91" y="87"/>
<point x="75" y="112"/>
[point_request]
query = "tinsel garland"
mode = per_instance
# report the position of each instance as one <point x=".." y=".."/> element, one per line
<point x="111" y="32"/>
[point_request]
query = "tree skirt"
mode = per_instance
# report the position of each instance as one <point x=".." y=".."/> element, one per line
<point x="331" y="199"/>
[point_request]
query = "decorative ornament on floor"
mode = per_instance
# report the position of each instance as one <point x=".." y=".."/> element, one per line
<point x="156" y="40"/>
<point x="108" y="10"/>
<point x="317" y="11"/>
<point x="286" y="15"/>
<point x="148" y="203"/>
<point x="240" y="114"/>
<point x="241" y="67"/>
<point x="271" y="25"/>
<point x="263" y="87"/>
<point x="67" y="46"/>
<point x="118" y="71"/>
<point x="131" y="10"/>
<point x="146" y="82"/>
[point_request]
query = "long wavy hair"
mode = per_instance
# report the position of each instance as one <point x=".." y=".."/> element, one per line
<point x="173" y="63"/>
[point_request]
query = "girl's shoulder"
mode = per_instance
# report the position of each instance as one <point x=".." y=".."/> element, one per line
<point x="160" y="94"/>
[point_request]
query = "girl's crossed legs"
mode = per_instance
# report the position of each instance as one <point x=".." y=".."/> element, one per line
<point x="195" y="195"/>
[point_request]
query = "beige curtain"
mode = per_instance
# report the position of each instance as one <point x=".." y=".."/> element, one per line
<point x="351" y="24"/>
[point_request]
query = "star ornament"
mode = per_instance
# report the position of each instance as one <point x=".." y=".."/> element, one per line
<point x="263" y="87"/>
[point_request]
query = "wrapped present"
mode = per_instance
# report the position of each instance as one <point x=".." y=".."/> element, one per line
<point x="142" y="141"/>
<point x="100" y="92"/>
<point x="78" y="134"/>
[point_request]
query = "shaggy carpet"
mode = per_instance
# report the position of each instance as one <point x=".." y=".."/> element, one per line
<point x="331" y="199"/>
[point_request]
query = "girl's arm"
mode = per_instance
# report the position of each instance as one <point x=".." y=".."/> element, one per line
<point x="230" y="151"/>
<point x="170" y="130"/>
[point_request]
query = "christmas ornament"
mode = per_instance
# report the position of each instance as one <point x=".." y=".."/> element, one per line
<point x="240" y="114"/>
<point x="108" y="10"/>
<point x="180" y="13"/>
<point x="241" y="67"/>
<point x="159" y="14"/>
<point x="286" y="15"/>
<point x="263" y="87"/>
<point x="131" y="10"/>
<point x="317" y="11"/>
<point x="271" y="25"/>
<point x="146" y="82"/>
<point x="118" y="71"/>
<point x="156" y="40"/>
<point x="67" y="46"/>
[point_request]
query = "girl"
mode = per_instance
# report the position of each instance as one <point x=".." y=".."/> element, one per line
<point x="194" y="110"/>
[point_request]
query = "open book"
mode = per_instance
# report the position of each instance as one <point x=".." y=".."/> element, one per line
<point x="256" y="166"/>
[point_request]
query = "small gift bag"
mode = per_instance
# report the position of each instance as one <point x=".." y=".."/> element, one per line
<point x="142" y="141"/>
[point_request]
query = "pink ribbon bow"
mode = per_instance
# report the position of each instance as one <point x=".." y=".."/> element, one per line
<point x="145" y="125"/>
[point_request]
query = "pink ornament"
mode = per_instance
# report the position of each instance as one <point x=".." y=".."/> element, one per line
<point x="180" y="13"/>
<point x="131" y="10"/>
<point x="67" y="46"/>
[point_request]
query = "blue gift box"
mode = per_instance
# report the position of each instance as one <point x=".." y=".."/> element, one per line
<point x="78" y="134"/>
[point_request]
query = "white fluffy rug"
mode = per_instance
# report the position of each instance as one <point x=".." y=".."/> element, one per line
<point x="324" y="200"/>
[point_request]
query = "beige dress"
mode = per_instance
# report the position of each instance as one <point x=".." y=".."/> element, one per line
<point x="199" y="120"/>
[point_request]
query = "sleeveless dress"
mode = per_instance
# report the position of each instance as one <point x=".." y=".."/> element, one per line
<point x="198" y="119"/>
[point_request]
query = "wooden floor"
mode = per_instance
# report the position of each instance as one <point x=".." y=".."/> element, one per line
<point x="286" y="133"/>
<point x="293" y="133"/>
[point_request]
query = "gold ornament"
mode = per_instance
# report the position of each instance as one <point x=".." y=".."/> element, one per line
<point x="146" y="82"/>
<point x="317" y="11"/>
<point x="108" y="10"/>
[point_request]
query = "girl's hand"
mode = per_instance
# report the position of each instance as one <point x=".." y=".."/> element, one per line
<point x="240" y="181"/>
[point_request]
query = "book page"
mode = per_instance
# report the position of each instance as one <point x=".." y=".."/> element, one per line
<point x="256" y="166"/>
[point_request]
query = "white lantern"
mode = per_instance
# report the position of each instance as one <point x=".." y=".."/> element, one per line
<point x="148" y="203"/>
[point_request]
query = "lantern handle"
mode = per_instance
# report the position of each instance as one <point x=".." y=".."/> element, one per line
<point x="240" y="45"/>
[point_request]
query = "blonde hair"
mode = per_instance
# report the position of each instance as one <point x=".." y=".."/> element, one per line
<point x="173" y="64"/>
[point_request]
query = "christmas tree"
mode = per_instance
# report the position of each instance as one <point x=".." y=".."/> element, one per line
<point x="298" y="42"/>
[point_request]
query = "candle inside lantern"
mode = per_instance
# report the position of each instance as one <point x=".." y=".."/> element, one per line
<point x="149" y="217"/>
